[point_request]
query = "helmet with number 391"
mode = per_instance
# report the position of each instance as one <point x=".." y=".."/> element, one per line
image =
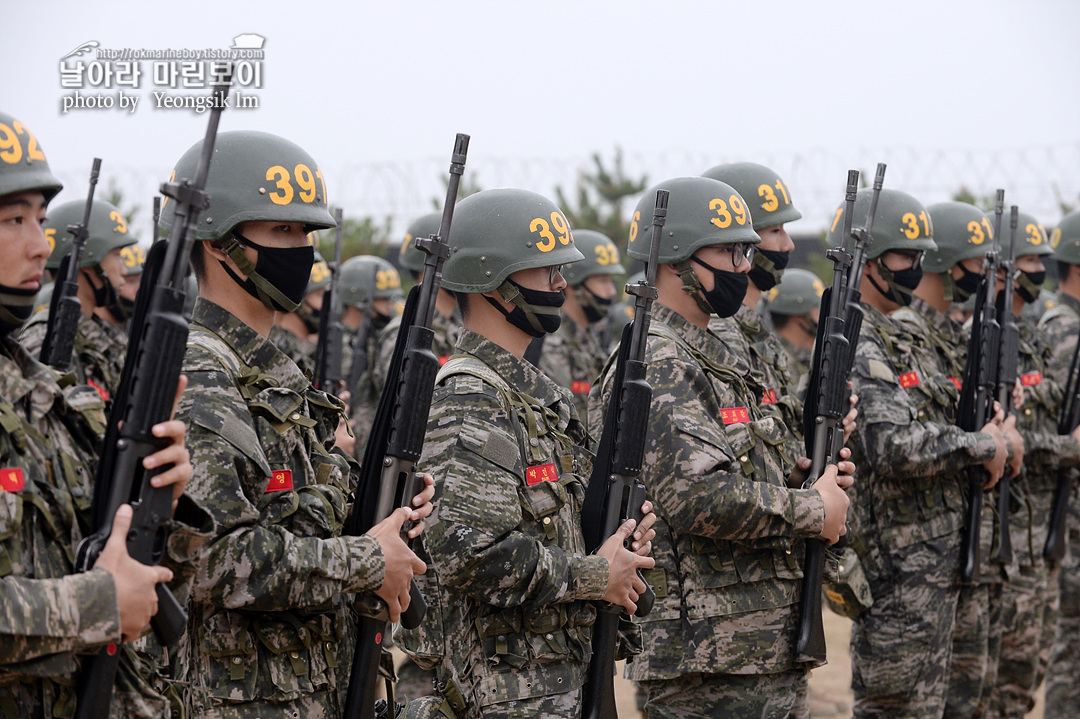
<point x="255" y="176"/>
<point x="107" y="230"/>
<point x="601" y="257"/>
<point x="900" y="223"/>
<point x="762" y="190"/>
<point x="499" y="232"/>
<point x="22" y="162"/>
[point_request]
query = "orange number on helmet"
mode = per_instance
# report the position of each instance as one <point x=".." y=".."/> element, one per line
<point x="32" y="150"/>
<point x="723" y="217"/>
<point x="977" y="235"/>
<point x="771" y="203"/>
<point x="1055" y="239"/>
<point x="989" y="229"/>
<point x="633" y="227"/>
<point x="281" y="176"/>
<point x="738" y="208"/>
<point x="10" y="147"/>
<point x="306" y="180"/>
<point x="132" y="256"/>
<point x="319" y="271"/>
<point x="539" y="224"/>
<point x="926" y="222"/>
<point x="50" y="235"/>
<point x="318" y="174"/>
<point x="559" y="223"/>
<point x="1035" y="233"/>
<point x="783" y="190"/>
<point x="912" y="222"/>
<point x="121" y="225"/>
<point x="836" y="219"/>
<point x="606" y="255"/>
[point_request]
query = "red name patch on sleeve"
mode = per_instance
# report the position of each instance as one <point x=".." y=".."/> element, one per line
<point x="443" y="359"/>
<point x="769" y="397"/>
<point x="101" y="390"/>
<point x="909" y="379"/>
<point x="957" y="382"/>
<point x="734" y="415"/>
<point x="11" y="479"/>
<point x="280" y="481"/>
<point x="541" y="473"/>
<point x="580" y="387"/>
<point x="1030" y="379"/>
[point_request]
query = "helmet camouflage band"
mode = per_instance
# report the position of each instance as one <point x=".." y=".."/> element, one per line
<point x="107" y="230"/>
<point x="900" y="223"/>
<point x="366" y="275"/>
<point x="961" y="231"/>
<point x="412" y="259"/>
<point x="601" y="257"/>
<point x="701" y="212"/>
<point x="1065" y="240"/>
<point x="255" y="176"/>
<point x="798" y="293"/>
<point x="499" y="232"/>
<point x="22" y="162"/>
<point x="1030" y="236"/>
<point x="762" y="189"/>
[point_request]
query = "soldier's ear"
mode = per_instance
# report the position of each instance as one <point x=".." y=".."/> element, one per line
<point x="213" y="249"/>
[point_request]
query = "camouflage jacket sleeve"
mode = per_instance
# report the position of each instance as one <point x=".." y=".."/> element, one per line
<point x="889" y="432"/>
<point x="474" y="537"/>
<point x="48" y="616"/>
<point x="251" y="562"/>
<point x="697" y="477"/>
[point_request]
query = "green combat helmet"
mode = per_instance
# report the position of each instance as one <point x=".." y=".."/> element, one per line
<point x="1065" y="241"/>
<point x="411" y="258"/>
<point x="106" y="231"/>
<point x="797" y="294"/>
<point x="762" y="189"/>
<point x="601" y="257"/>
<point x="961" y="231"/>
<point x="1030" y="240"/>
<point x="255" y="176"/>
<point x="22" y="162"/>
<point x="366" y="277"/>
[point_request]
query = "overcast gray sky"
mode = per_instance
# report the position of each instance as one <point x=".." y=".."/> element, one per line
<point x="946" y="91"/>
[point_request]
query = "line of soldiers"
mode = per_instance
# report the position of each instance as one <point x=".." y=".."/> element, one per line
<point x="257" y="550"/>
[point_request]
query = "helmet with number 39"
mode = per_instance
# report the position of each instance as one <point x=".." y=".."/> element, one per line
<point x="22" y="162"/>
<point x="255" y="176"/>
<point x="900" y="223"/>
<point x="762" y="190"/>
<point x="499" y="232"/>
<point x="107" y="230"/>
<point x="601" y="257"/>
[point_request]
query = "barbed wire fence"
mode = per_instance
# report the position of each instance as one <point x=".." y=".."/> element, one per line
<point x="1037" y="178"/>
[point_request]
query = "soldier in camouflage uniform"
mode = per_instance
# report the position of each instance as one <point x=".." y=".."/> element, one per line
<point x="793" y="307"/>
<point x="268" y="631"/>
<point x="100" y="341"/>
<point x="508" y="628"/>
<point x="1059" y="327"/>
<point x="573" y="357"/>
<point x="297" y="333"/>
<point x="1030" y="598"/>
<point x="720" y="639"/>
<point x="48" y="445"/>
<point x="908" y="510"/>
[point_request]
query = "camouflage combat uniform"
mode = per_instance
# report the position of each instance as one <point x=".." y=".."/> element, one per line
<point x="100" y="349"/>
<point x="508" y="618"/>
<point x="446" y="329"/>
<point x="573" y="358"/>
<point x="906" y="516"/>
<point x="1059" y="327"/>
<point x="720" y="639"/>
<point x="799" y="359"/>
<point x="48" y="446"/>
<point x="365" y="398"/>
<point x="300" y="351"/>
<point x="268" y="610"/>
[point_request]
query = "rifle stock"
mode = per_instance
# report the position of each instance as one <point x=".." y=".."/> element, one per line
<point x="1006" y="379"/>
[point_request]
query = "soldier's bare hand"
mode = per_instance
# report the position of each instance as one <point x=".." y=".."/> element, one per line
<point x="422" y="502"/>
<point x="644" y="533"/>
<point x="136" y="594"/>
<point x="174" y="453"/>
<point x="1016" y="445"/>
<point x="624" y="585"/>
<point x="845" y="469"/>
<point x="848" y="423"/>
<point x="1018" y="394"/>
<point x="799" y="472"/>
<point x="830" y="485"/>
<point x="402" y="564"/>
<point x="996" y="465"/>
<point x="344" y="439"/>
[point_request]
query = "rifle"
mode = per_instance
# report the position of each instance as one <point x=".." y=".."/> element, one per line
<point x="839" y="326"/>
<point x="144" y="398"/>
<point x="1068" y="420"/>
<point x="616" y="491"/>
<point x="978" y="389"/>
<point x="360" y="358"/>
<point x="328" y="359"/>
<point x="387" y="479"/>
<point x="66" y="309"/>
<point x="1007" y="362"/>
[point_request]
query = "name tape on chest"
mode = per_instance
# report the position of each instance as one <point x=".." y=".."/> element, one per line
<point x="280" y="480"/>
<point x="768" y="396"/>
<point x="734" y="415"/>
<point x="1030" y="379"/>
<point x="11" y="479"/>
<point x="910" y="379"/>
<point x="541" y="473"/>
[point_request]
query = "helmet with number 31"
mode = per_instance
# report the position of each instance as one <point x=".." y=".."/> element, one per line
<point x="762" y="189"/>
<point x="107" y="230"/>
<point x="900" y="223"/>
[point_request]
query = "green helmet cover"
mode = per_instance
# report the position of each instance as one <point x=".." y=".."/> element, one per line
<point x="499" y="232"/>
<point x="22" y="162"/>
<point x="900" y="223"/>
<point x="107" y="230"/>
<point x="412" y="259"/>
<point x="365" y="276"/>
<point x="701" y="212"/>
<point x="601" y="257"/>
<point x="1065" y="241"/>
<point x="961" y="231"/>
<point x="762" y="189"/>
<point x="799" y="292"/>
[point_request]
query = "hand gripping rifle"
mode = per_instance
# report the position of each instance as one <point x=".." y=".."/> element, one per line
<point x="145" y="397"/>
<point x="615" y="491"/>
<point x="841" y="317"/>
<point x="1068" y="420"/>
<point x="1006" y="380"/>
<point x="66" y="309"/>
<point x="977" y="393"/>
<point x="328" y="357"/>
<point x="387" y="480"/>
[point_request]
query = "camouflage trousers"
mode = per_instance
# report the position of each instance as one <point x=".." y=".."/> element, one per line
<point x="901" y="646"/>
<point x="1028" y="618"/>
<point x="317" y="705"/>
<point x="1062" y="687"/>
<point x="749" y="696"/>
<point x="976" y="644"/>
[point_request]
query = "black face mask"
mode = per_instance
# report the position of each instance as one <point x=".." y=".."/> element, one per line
<point x="729" y="289"/>
<point x="595" y="308"/>
<point x="280" y="275"/>
<point x="123" y="309"/>
<point x="1029" y="284"/>
<point x="768" y="268"/>
<point x="379" y="320"/>
<point x="16" y="306"/>
<point x="811" y="327"/>
<point x="535" y="312"/>
<point x="309" y="317"/>
<point x="900" y="283"/>
<point x="967" y="285"/>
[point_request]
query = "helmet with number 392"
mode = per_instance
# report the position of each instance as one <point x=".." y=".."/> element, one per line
<point x="107" y="230"/>
<point x="762" y="190"/>
<point x="701" y="212"/>
<point x="255" y="176"/>
<point x="900" y="223"/>
<point x="22" y="162"/>
<point x="601" y="257"/>
<point x="499" y="232"/>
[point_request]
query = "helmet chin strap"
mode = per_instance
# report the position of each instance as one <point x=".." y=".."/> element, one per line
<point x="692" y="285"/>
